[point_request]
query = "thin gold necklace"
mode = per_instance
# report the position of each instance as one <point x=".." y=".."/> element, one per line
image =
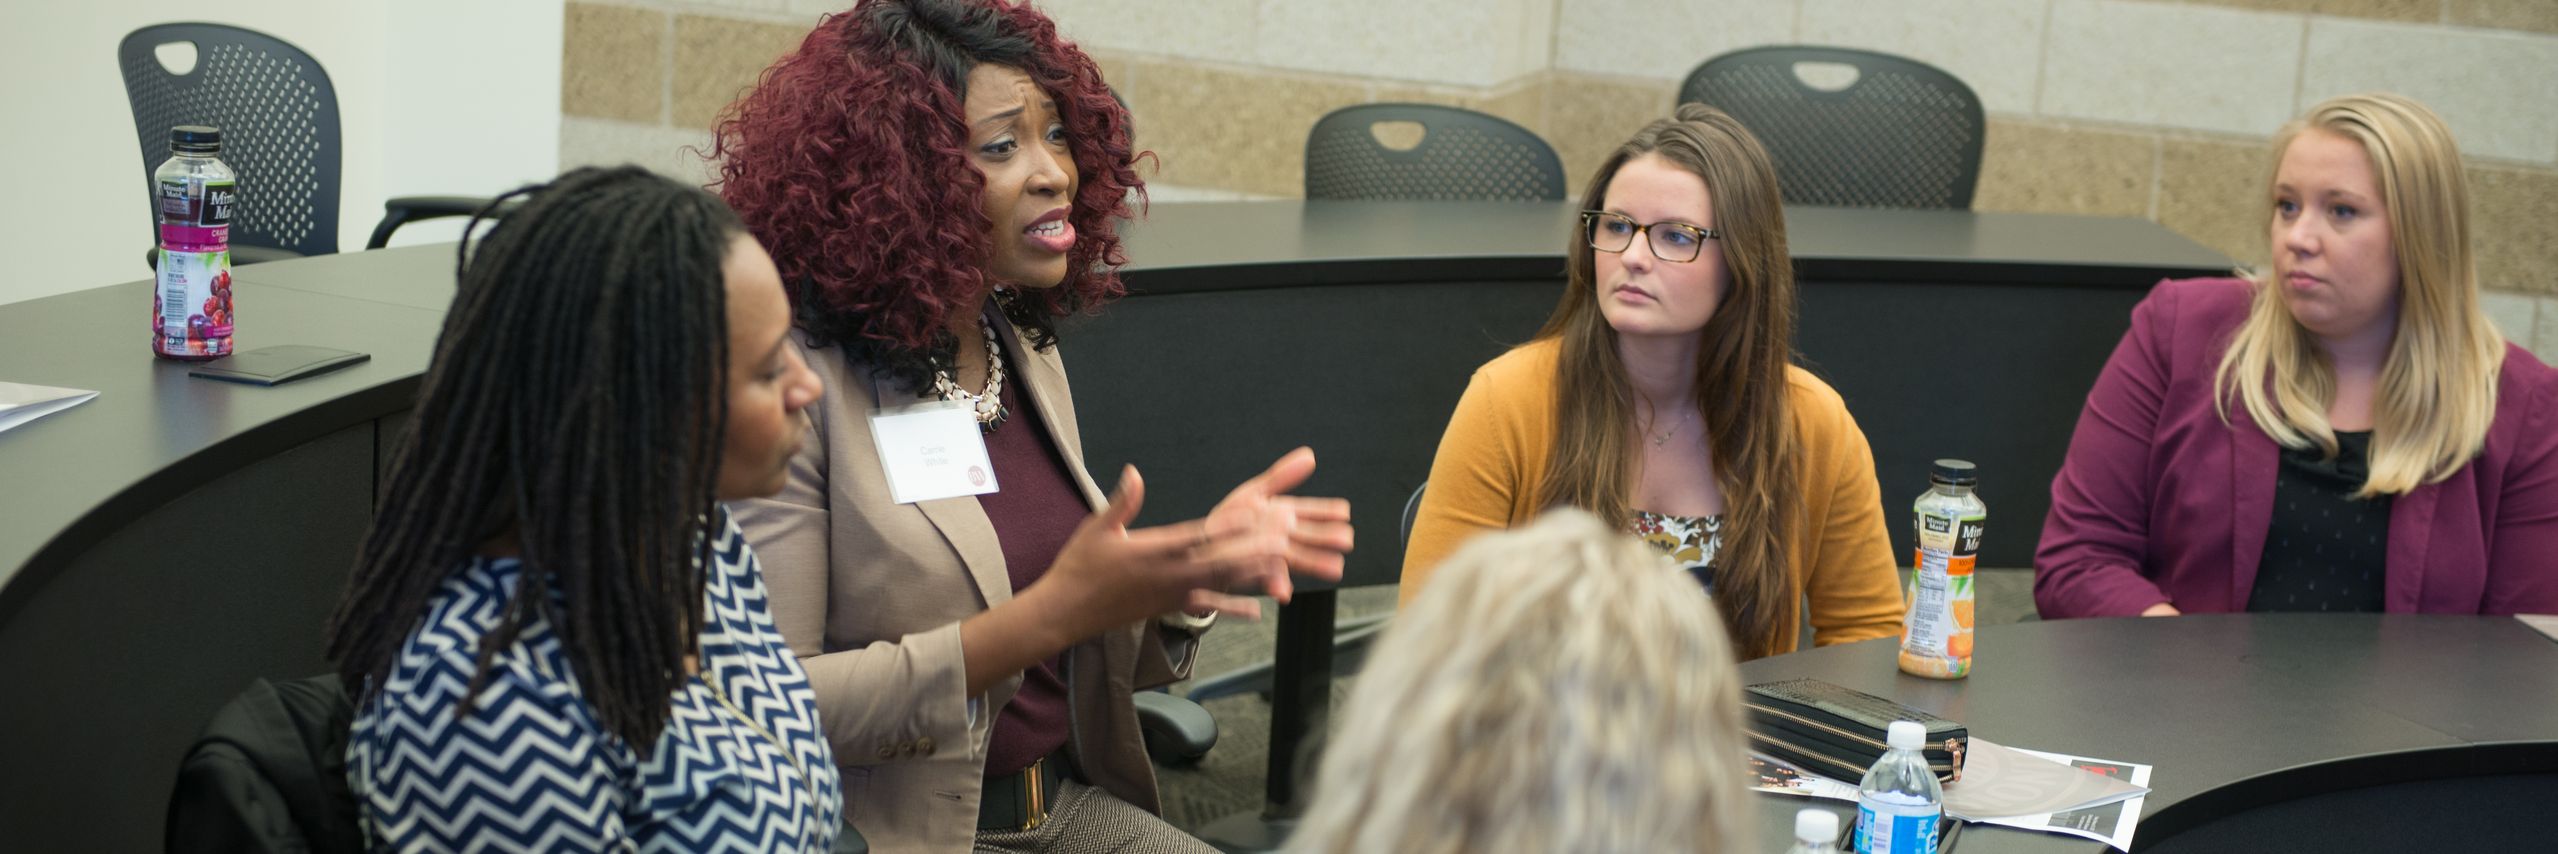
<point x="1663" y="438"/>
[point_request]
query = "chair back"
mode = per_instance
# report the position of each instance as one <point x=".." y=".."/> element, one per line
<point x="1904" y="134"/>
<point x="1462" y="155"/>
<point x="269" y="774"/>
<point x="1411" y="511"/>
<point x="279" y="119"/>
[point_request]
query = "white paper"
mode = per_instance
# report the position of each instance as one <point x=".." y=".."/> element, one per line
<point x="1785" y="778"/>
<point x="2110" y="823"/>
<point x="21" y="403"/>
<point x="2001" y="781"/>
<point x="932" y="450"/>
<point x="2546" y="624"/>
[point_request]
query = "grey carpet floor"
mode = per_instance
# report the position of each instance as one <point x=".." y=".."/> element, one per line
<point x="1229" y="780"/>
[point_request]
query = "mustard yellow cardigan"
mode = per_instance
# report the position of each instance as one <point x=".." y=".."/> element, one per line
<point x="1491" y="467"/>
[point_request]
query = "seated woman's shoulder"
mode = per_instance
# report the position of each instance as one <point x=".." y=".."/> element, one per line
<point x="1807" y="392"/>
<point x="1530" y="362"/>
<point x="2524" y="380"/>
<point x="2210" y="294"/>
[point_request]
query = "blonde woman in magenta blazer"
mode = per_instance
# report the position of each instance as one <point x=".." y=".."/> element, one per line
<point x="2220" y="402"/>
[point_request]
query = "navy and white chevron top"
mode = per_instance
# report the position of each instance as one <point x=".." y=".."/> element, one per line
<point x="741" y="765"/>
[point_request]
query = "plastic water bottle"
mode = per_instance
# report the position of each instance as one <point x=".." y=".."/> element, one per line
<point x="1899" y="802"/>
<point x="1816" y="831"/>
<point x="193" y="193"/>
<point x="1936" y="640"/>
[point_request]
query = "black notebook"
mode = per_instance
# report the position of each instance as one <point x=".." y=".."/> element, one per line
<point x="276" y="365"/>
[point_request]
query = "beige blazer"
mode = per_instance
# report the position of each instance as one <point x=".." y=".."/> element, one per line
<point x="870" y="594"/>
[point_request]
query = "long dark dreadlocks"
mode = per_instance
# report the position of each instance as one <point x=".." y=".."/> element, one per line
<point x="576" y="402"/>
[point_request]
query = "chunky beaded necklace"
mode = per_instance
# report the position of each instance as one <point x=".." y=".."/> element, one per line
<point x="990" y="402"/>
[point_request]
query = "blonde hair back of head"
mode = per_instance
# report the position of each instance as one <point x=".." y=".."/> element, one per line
<point x="1557" y="688"/>
<point x="2437" y="393"/>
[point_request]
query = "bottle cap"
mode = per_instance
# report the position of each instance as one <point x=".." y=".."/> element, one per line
<point x="1956" y="472"/>
<point x="195" y="139"/>
<point x="1906" y="735"/>
<point x="1814" y="824"/>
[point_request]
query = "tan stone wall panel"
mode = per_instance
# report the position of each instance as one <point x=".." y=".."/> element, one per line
<point x="2515" y="315"/>
<point x="717" y="59"/>
<point x="1448" y="42"/>
<point x="611" y="64"/>
<point x="1664" y="40"/>
<point x="2197" y="67"/>
<point x="2050" y="169"/>
<point x="1523" y="104"/>
<point x="1213" y="30"/>
<point x="1520" y="103"/>
<point x="1993" y="46"/>
<point x="2545" y="343"/>
<point x="2475" y="79"/>
<point x="1116" y="71"/>
<point x="2510" y="212"/>
<point x="673" y="152"/>
<point x="2539" y="16"/>
<point x="2420" y="11"/>
<point x="2214" y="192"/>
<point x="1228" y="121"/>
<point x="1213" y="127"/>
<point x="1591" y="116"/>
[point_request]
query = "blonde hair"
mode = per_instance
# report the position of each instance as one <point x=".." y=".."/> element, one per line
<point x="1741" y="383"/>
<point x="1559" y="687"/>
<point x="2437" y="393"/>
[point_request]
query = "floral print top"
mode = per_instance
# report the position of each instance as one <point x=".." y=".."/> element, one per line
<point x="1689" y="541"/>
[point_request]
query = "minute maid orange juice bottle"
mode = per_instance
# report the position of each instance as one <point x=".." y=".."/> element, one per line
<point x="1936" y="640"/>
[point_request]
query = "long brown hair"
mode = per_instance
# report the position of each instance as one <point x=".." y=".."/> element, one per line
<point x="1740" y="379"/>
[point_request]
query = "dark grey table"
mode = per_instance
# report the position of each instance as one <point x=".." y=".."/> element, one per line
<point x="166" y="543"/>
<point x="1352" y="327"/>
<point x="2244" y="716"/>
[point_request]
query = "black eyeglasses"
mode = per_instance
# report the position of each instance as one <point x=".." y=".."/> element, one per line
<point x="1676" y="242"/>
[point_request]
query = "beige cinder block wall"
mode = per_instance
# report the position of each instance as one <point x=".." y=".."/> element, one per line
<point x="2138" y="108"/>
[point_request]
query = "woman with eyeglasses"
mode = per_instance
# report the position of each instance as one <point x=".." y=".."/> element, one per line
<point x="1660" y="396"/>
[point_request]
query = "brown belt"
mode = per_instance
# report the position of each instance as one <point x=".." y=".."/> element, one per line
<point x="1020" y="800"/>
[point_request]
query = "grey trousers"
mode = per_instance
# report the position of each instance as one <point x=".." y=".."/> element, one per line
<point x="1086" y="820"/>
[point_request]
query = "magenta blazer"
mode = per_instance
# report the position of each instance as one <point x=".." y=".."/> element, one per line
<point x="2159" y="501"/>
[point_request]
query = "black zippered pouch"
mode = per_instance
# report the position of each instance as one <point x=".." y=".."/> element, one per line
<point x="1838" y="733"/>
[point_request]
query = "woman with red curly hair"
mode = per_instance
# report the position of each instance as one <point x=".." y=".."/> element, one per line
<point x="938" y="180"/>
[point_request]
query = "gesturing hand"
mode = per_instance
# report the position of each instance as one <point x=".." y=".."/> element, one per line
<point x="1306" y="536"/>
<point x="1110" y="575"/>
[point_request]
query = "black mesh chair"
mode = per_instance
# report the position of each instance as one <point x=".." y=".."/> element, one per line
<point x="279" y="118"/>
<point x="1462" y="156"/>
<point x="1904" y="134"/>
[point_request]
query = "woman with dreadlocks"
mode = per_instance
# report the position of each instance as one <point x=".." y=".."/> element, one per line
<point x="938" y="180"/>
<point x="562" y="642"/>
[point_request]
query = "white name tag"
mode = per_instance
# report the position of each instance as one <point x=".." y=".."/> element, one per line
<point x="932" y="449"/>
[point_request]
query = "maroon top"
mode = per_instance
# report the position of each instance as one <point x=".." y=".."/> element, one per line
<point x="2160" y="501"/>
<point x="1034" y="512"/>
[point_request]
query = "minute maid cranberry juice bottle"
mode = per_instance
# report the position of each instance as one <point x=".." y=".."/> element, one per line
<point x="1936" y="640"/>
<point x="194" y="192"/>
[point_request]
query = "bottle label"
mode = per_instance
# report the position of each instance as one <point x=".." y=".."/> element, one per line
<point x="191" y="315"/>
<point x="199" y="205"/>
<point x="1896" y="830"/>
<point x="1938" y="634"/>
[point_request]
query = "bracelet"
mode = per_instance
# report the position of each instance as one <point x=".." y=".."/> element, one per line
<point x="1187" y="622"/>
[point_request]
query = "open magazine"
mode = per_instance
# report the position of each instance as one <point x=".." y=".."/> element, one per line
<point x="2031" y="789"/>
